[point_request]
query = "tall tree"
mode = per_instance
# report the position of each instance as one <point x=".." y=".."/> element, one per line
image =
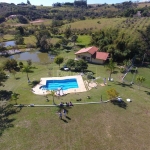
<point x="68" y="32"/>
<point x="52" y="93"/>
<point x="21" y="30"/>
<point x="74" y="38"/>
<point x="81" y="65"/>
<point x="70" y="63"/>
<point x="10" y="64"/>
<point x="29" y="62"/>
<point x="2" y="77"/>
<point x="59" y="60"/>
<point x="28" y="2"/>
<point x="111" y="66"/>
<point x="27" y="70"/>
<point x="140" y="80"/>
<point x="14" y="96"/>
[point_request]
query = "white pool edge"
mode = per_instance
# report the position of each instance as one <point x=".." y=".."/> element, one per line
<point x="81" y="86"/>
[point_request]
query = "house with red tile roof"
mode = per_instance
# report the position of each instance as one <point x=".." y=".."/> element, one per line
<point x="92" y="55"/>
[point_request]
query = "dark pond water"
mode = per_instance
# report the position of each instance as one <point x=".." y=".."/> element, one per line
<point x="9" y="43"/>
<point x="34" y="56"/>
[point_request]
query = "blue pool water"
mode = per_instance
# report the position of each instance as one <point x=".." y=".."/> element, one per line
<point x="61" y="84"/>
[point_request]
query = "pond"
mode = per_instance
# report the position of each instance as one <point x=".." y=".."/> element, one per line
<point x="34" y="56"/>
<point x="9" y="43"/>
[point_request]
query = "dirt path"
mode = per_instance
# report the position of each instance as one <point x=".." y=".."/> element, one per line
<point x="37" y="21"/>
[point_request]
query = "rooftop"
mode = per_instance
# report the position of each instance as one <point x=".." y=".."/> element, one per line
<point x="90" y="50"/>
<point x="102" y="55"/>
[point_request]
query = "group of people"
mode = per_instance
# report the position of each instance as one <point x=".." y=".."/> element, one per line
<point x="69" y="104"/>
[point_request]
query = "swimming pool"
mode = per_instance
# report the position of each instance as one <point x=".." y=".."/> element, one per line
<point x="63" y="84"/>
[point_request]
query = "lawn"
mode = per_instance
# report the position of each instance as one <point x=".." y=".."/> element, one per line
<point x="84" y="40"/>
<point x="142" y="71"/>
<point x="7" y="37"/>
<point x="30" y="40"/>
<point x="89" y="126"/>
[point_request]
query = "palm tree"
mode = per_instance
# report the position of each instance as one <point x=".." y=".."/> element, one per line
<point x="27" y="69"/>
<point x="111" y="66"/>
<point x="52" y="93"/>
<point x="14" y="97"/>
<point x="140" y="80"/>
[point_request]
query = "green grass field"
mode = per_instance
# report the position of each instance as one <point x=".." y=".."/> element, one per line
<point x="30" y="40"/>
<point x="142" y="71"/>
<point x="89" y="126"/>
<point x="93" y="23"/>
<point x="84" y="40"/>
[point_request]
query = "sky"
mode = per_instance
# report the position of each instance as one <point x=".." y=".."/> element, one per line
<point x="50" y="2"/>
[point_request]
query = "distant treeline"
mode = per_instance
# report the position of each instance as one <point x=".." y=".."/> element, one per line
<point x="125" y="9"/>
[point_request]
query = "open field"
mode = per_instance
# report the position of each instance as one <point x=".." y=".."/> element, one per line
<point x="91" y="126"/>
<point x="93" y="23"/>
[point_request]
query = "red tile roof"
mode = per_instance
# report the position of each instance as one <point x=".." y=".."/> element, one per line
<point x="102" y="55"/>
<point x="90" y="50"/>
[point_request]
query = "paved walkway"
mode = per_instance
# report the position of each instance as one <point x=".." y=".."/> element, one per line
<point x="33" y="105"/>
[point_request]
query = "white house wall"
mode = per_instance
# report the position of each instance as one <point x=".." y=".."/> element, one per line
<point x="97" y="61"/>
<point x="83" y="55"/>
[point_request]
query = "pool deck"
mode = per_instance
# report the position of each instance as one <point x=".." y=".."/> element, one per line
<point x="81" y="88"/>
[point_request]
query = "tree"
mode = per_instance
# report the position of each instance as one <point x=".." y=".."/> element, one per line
<point x="70" y="63"/>
<point x="59" y="60"/>
<point x="81" y="65"/>
<point x="21" y="30"/>
<point x="140" y="80"/>
<point x="27" y="69"/>
<point x="2" y="77"/>
<point x="28" y="2"/>
<point x="52" y="93"/>
<point x="112" y="94"/>
<point x="10" y="64"/>
<point x="68" y="32"/>
<point x="21" y="65"/>
<point x="44" y="43"/>
<point x="13" y="72"/>
<point x="74" y="38"/>
<point x="29" y="62"/>
<point x="19" y="40"/>
<point x="14" y="96"/>
<point x="110" y="67"/>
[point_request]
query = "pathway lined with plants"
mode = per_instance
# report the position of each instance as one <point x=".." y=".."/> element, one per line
<point x="32" y="105"/>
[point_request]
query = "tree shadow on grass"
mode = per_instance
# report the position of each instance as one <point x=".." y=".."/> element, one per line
<point x="148" y="93"/>
<point x="121" y="104"/>
<point x="123" y="84"/>
<point x="34" y="83"/>
<point x="115" y="72"/>
<point x="17" y="78"/>
<point x="5" y="95"/>
<point x="5" y="121"/>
